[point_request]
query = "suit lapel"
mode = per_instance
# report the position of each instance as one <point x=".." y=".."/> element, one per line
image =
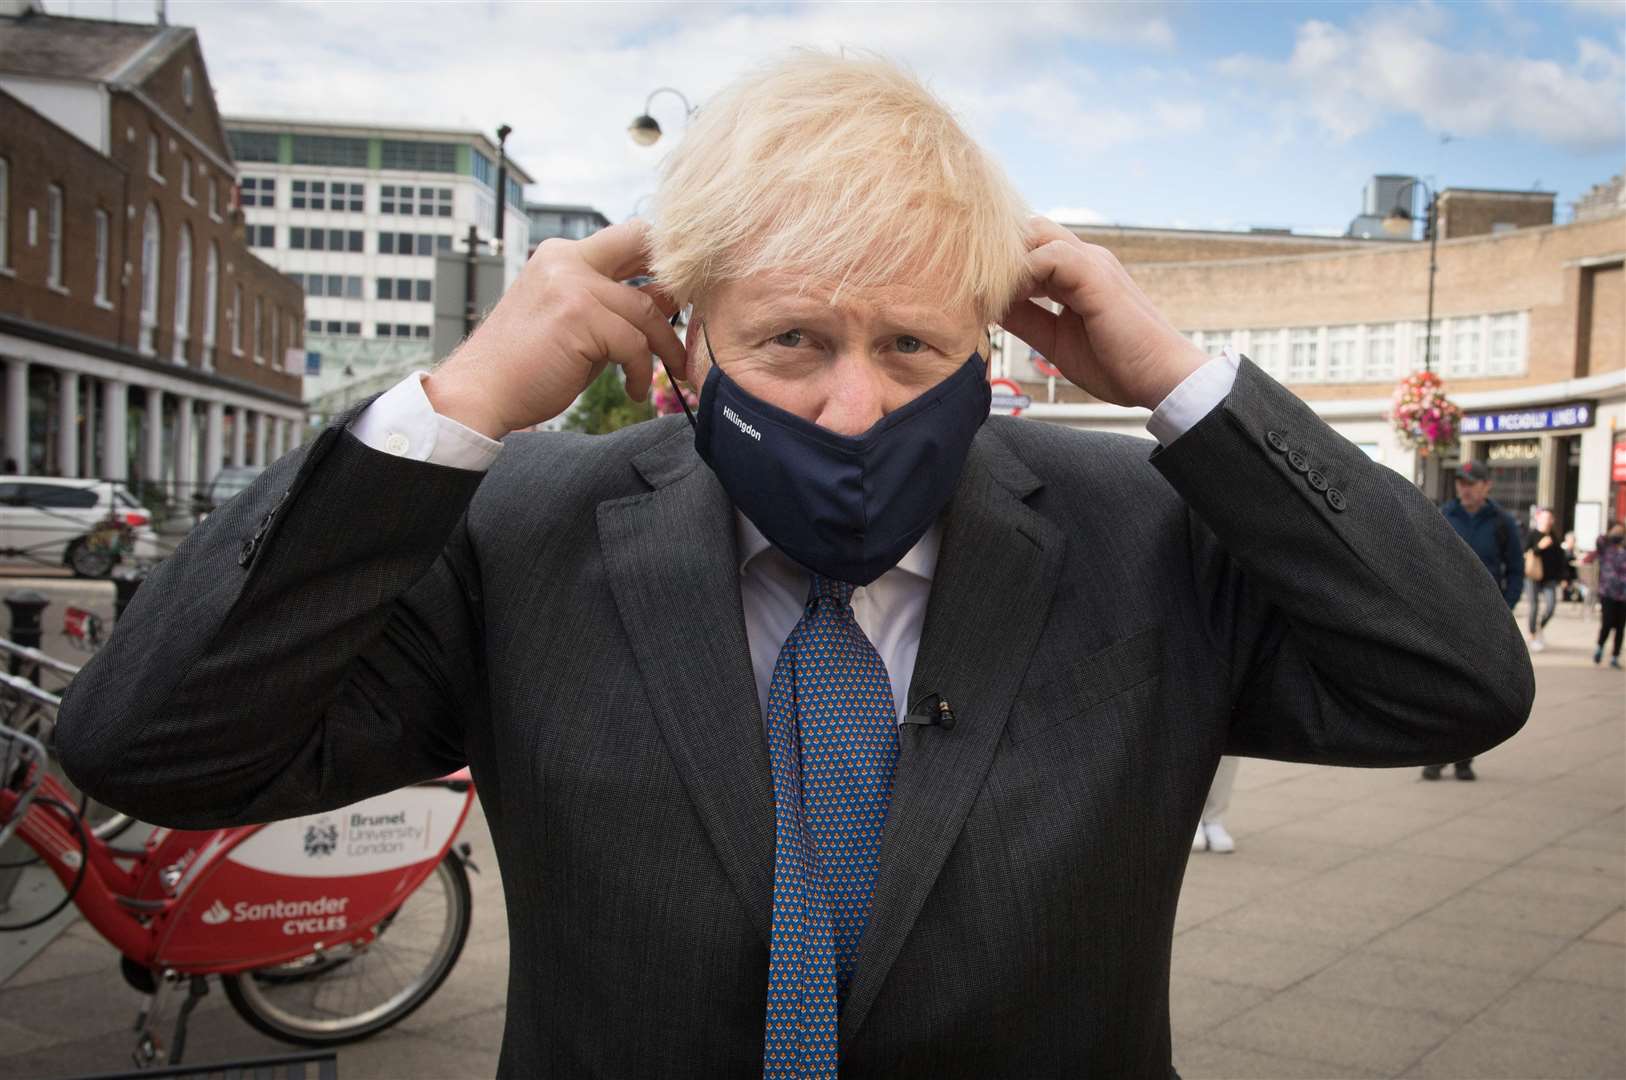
<point x="671" y="562"/>
<point x="990" y="598"/>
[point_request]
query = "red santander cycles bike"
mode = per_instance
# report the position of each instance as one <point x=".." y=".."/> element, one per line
<point x="322" y="929"/>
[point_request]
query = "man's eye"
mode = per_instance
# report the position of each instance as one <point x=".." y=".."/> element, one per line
<point x="790" y="339"/>
<point x="907" y="344"/>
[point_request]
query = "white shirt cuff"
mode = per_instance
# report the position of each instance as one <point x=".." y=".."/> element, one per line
<point x="401" y="421"/>
<point x="1194" y="398"/>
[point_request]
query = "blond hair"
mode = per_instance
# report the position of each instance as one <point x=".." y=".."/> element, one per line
<point x="842" y="169"/>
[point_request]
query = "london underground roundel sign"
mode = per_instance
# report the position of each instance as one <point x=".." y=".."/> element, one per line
<point x="1008" y="398"/>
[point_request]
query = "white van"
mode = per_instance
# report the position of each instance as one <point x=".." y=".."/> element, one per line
<point x="50" y="520"/>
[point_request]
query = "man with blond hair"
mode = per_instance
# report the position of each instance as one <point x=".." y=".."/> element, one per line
<point x="849" y="729"/>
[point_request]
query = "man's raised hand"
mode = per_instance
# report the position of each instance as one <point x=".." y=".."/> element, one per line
<point x="566" y="316"/>
<point x="1108" y="338"/>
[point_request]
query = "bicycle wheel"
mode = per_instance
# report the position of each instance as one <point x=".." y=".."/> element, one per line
<point x="348" y="993"/>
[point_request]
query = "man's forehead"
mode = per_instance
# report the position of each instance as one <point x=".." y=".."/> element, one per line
<point x="906" y="300"/>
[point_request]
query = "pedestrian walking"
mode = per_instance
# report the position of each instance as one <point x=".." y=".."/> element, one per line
<point x="1611" y="557"/>
<point x="1211" y="832"/>
<point x="1493" y="534"/>
<point x="1544" y="568"/>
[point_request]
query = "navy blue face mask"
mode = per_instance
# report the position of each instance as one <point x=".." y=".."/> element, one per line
<point x="847" y="507"/>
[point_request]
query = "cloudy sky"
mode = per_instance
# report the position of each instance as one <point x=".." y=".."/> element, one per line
<point x="1194" y="114"/>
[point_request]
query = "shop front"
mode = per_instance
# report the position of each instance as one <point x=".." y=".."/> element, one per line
<point x="1534" y="455"/>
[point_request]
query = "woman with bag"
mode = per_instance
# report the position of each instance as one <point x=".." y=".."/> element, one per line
<point x="1544" y="567"/>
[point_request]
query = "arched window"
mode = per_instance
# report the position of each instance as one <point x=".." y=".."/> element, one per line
<point x="211" y="302"/>
<point x="150" y="241"/>
<point x="183" y="292"/>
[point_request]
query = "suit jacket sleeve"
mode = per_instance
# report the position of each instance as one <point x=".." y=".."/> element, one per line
<point x="312" y="643"/>
<point x="1357" y="628"/>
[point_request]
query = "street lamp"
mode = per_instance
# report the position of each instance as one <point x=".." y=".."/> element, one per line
<point x="1400" y="217"/>
<point x="502" y="181"/>
<point x="644" y="129"/>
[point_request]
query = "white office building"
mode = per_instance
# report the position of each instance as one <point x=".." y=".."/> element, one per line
<point x="357" y="214"/>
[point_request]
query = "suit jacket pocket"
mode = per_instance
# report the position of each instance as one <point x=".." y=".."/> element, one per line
<point x="1086" y="683"/>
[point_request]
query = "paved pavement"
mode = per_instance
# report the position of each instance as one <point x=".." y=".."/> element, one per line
<point x="1369" y="925"/>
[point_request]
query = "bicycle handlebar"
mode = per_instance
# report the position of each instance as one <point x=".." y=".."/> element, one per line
<point x="29" y="690"/>
<point x="34" y="656"/>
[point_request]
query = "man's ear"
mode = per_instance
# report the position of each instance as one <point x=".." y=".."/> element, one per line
<point x="699" y="362"/>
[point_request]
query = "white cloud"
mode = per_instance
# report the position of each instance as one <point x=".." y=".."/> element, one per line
<point x="1351" y="80"/>
<point x="569" y="77"/>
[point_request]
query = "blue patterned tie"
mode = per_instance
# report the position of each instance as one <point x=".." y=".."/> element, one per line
<point x="833" y="745"/>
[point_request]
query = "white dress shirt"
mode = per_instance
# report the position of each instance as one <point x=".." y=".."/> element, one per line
<point x="773" y="589"/>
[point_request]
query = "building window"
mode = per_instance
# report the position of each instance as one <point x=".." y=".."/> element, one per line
<point x="183" y="293"/>
<point x="401" y="330"/>
<point x="405" y="289"/>
<point x="485" y="170"/>
<point x="5" y="214"/>
<point x="1380" y="352"/>
<point x="237" y="320"/>
<point x="1304" y="355"/>
<point x="186" y="86"/>
<point x="414" y="156"/>
<point x="259" y="190"/>
<point x="261" y="236"/>
<point x="345" y="196"/>
<point x="103" y="253"/>
<point x="354" y="240"/>
<point x="259" y="326"/>
<point x="186" y="179"/>
<point x="1268" y="349"/>
<point x="406" y="200"/>
<point x="150" y="241"/>
<point x="1425" y="351"/>
<point x="214" y="197"/>
<point x="1342" y="344"/>
<point x="1506" y="345"/>
<point x="53" y="235"/>
<point x="155" y="161"/>
<point x="276" y="335"/>
<point x="330" y="150"/>
<point x="211" y="300"/>
<point x="254" y="145"/>
<point x="1466" y="357"/>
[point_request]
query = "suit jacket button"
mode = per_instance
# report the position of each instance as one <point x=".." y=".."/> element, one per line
<point x="246" y="555"/>
<point x="1335" y="499"/>
<point x="1316" y="480"/>
<point x="1298" y="461"/>
<point x="1277" y="443"/>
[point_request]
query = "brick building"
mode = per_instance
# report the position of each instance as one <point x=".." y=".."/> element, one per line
<point x="1529" y="317"/>
<point x="142" y="339"/>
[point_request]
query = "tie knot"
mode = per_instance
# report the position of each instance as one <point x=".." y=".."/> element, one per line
<point x="838" y="593"/>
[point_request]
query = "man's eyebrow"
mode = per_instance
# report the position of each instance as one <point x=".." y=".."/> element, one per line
<point x="901" y="317"/>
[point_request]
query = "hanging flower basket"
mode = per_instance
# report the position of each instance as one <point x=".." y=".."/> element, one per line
<point x="1424" y="418"/>
<point x="665" y="396"/>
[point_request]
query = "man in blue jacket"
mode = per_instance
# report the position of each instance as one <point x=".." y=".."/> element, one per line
<point x="1494" y="536"/>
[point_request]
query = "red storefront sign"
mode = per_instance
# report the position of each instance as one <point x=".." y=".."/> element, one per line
<point x="1618" y="474"/>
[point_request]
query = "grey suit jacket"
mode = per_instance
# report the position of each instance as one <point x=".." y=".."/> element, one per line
<point x="569" y="624"/>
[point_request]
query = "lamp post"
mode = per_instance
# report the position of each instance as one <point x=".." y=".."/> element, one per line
<point x="644" y="129"/>
<point x="502" y="181"/>
<point x="1401" y="217"/>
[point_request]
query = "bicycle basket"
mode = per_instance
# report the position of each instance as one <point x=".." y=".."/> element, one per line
<point x="22" y="757"/>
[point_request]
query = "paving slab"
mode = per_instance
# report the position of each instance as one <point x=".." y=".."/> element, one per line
<point x="1486" y="1051"/>
<point x="1592" y="962"/>
<point x="1349" y="1034"/>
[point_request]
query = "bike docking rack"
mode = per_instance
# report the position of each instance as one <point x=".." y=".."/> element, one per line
<point x="321" y="929"/>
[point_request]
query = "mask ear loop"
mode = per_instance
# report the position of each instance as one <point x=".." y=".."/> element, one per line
<point x="676" y="389"/>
